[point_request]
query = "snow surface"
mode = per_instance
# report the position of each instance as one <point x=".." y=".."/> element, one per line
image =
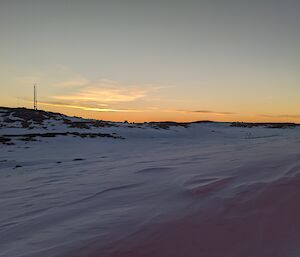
<point x="209" y="190"/>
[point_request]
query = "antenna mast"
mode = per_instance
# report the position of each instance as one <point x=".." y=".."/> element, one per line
<point x="35" y="97"/>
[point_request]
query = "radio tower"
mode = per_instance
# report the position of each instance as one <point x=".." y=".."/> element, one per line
<point x="35" y="97"/>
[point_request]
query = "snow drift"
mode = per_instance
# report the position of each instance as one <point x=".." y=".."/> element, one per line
<point x="147" y="190"/>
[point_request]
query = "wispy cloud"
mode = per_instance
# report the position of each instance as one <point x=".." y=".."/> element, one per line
<point x="79" y="82"/>
<point x="86" y="108"/>
<point x="103" y="95"/>
<point x="292" y="116"/>
<point x="27" y="80"/>
<point x="207" y="112"/>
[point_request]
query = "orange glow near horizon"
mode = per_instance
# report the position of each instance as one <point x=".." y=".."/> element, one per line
<point x="160" y="115"/>
<point x="111" y="100"/>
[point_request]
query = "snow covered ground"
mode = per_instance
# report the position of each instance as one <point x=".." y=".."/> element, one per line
<point x="202" y="190"/>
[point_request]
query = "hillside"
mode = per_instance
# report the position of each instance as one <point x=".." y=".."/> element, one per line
<point x="29" y="125"/>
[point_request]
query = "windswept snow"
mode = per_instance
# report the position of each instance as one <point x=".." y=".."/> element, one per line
<point x="151" y="190"/>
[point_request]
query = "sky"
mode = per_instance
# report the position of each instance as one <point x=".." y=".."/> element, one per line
<point x="142" y="60"/>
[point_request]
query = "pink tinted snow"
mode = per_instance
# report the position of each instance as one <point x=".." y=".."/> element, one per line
<point x="261" y="222"/>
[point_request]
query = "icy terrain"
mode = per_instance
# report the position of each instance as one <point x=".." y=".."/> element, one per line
<point x="80" y="188"/>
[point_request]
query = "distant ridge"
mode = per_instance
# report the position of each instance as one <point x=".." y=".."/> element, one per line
<point x="39" y="116"/>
